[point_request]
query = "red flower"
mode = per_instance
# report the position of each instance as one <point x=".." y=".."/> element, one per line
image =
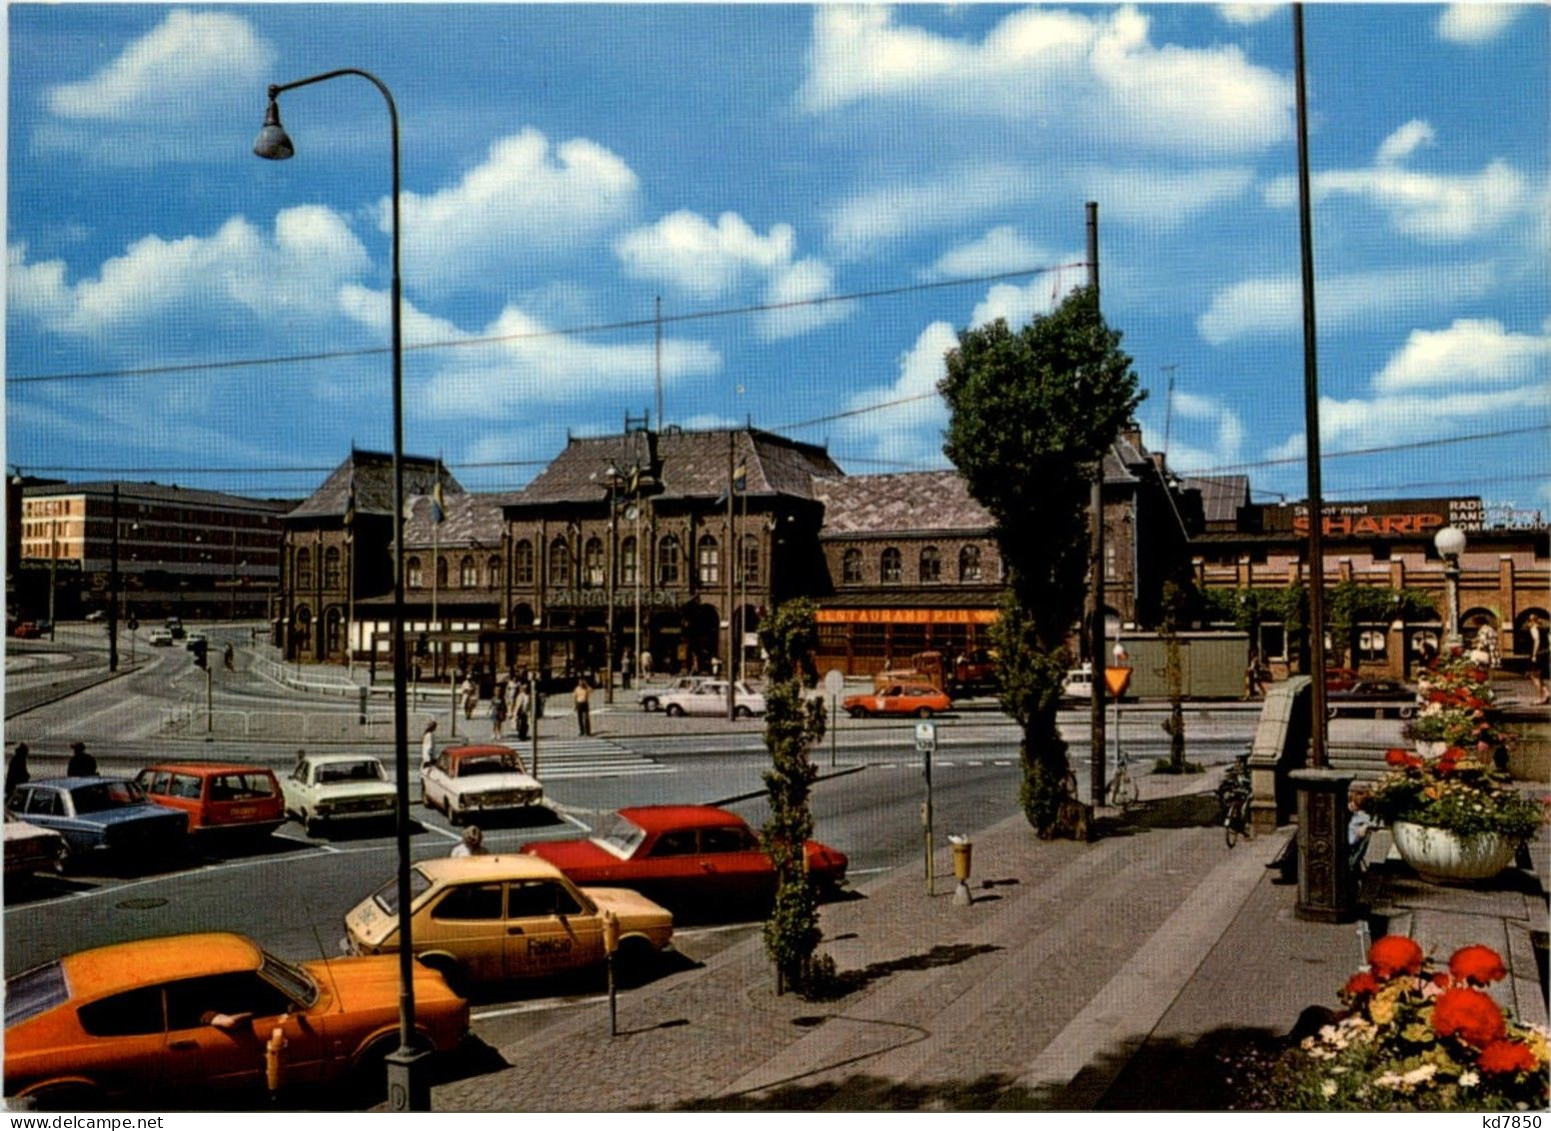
<point x="1478" y="964"/>
<point x="1469" y="1015"/>
<point x="1505" y="1057"/>
<point x="1401" y="758"/>
<point x="1361" y="984"/>
<point x="1394" y="954"/>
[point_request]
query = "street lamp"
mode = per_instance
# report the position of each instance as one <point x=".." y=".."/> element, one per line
<point x="408" y="1089"/>
<point x="1450" y="542"/>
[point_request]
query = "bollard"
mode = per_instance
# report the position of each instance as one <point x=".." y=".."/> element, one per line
<point x="274" y="1066"/>
<point x="611" y="948"/>
<point x="963" y="853"/>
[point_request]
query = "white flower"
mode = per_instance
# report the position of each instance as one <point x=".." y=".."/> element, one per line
<point x="1468" y="1079"/>
<point x="1328" y="1088"/>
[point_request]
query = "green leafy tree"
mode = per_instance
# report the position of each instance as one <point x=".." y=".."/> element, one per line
<point x="1032" y="413"/>
<point x="793" y="723"/>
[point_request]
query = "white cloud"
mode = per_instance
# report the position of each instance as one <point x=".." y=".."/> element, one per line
<point x="1273" y="305"/>
<point x="796" y="289"/>
<point x="1018" y="304"/>
<point x="704" y="259"/>
<point x="1405" y="141"/>
<point x="1000" y="249"/>
<point x="1203" y="433"/>
<point x="1162" y="198"/>
<point x="236" y="269"/>
<point x="1388" y="421"/>
<point x="1471" y="353"/>
<point x="1246" y="14"/>
<point x="526" y="198"/>
<point x="908" y="432"/>
<point x="1054" y="66"/>
<point x="954" y="196"/>
<point x="1475" y="23"/>
<point x="174" y="69"/>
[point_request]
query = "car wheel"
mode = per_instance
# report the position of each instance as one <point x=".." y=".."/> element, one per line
<point x="311" y="825"/>
<point x="857" y="713"/>
<point x="924" y="713"/>
<point x="675" y="711"/>
<point x="634" y="961"/>
<point x="1407" y="712"/>
<point x="650" y="704"/>
<point x="741" y="712"/>
<point x="368" y="1082"/>
<point x="72" y="1095"/>
<point x="1330" y="711"/>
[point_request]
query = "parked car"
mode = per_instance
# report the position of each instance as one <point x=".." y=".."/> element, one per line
<point x="100" y="817"/>
<point x="1382" y="697"/>
<point x="898" y="699"/>
<point x="686" y="857"/>
<point x="710" y="698"/>
<point x="324" y="788"/>
<point x="650" y="698"/>
<point x="1078" y="683"/>
<point x="175" y="626"/>
<point x="31" y="629"/>
<point x="220" y="798"/>
<point x="167" y="1020"/>
<point x="504" y="918"/>
<point x="466" y="781"/>
<point x="193" y="640"/>
<point x="161" y="638"/>
<point x="1340" y="679"/>
<point x="30" y="850"/>
<point x="95" y="616"/>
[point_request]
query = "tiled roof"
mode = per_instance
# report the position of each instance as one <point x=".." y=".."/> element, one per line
<point x="1221" y="495"/>
<point x="694" y="465"/>
<point x="899" y="503"/>
<point x="371" y="475"/>
<point x="470" y="520"/>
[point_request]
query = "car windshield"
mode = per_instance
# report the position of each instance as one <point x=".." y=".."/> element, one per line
<point x="366" y="770"/>
<point x="290" y="980"/>
<point x="32" y="991"/>
<point x="387" y="896"/>
<point x="621" y="837"/>
<point x="489" y="764"/>
<point x="99" y="796"/>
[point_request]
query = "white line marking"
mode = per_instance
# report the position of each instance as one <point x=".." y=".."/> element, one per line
<point x="536" y="1007"/>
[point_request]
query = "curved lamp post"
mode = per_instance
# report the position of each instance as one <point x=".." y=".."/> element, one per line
<point x="1450" y="542"/>
<point x="407" y="1088"/>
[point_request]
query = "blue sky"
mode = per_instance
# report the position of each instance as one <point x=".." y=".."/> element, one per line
<point x="565" y="167"/>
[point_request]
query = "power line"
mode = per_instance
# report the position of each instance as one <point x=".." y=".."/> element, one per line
<point x="529" y="335"/>
<point x="1412" y="445"/>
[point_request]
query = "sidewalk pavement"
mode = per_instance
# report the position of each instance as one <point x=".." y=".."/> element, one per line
<point x="1099" y="976"/>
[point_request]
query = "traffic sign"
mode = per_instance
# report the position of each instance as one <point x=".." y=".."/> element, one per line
<point x="834" y="681"/>
<point x="1117" y="680"/>
<point x="926" y="736"/>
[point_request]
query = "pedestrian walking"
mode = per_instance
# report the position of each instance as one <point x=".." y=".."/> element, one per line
<point x="82" y="764"/>
<point x="520" y="711"/>
<point x="227" y="655"/>
<point x="497" y="713"/>
<point x="646" y="664"/>
<point x="1539" y="653"/>
<point x="470" y="692"/>
<point x="16" y="772"/>
<point x="472" y="844"/>
<point x="583" y="707"/>
<point x="428" y="744"/>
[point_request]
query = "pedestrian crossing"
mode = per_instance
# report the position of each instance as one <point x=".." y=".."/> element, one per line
<point x="562" y="758"/>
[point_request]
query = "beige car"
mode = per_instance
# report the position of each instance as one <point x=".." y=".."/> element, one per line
<point x="505" y="918"/>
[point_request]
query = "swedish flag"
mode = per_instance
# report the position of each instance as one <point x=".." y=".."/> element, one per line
<point x="438" y="503"/>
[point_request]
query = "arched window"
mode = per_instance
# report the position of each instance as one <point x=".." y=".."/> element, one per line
<point x="441" y="572"/>
<point x="627" y="561"/>
<point x="969" y="563"/>
<point x="851" y="567"/>
<point x="304" y="568"/>
<point x="559" y="562"/>
<point x="892" y="565"/>
<point x="668" y="560"/>
<point x="331" y="568"/>
<point x="931" y="564"/>
<point x="592" y="561"/>
<point x="708" y="562"/>
<point x="493" y="572"/>
<point x="331" y="631"/>
<point x="414" y="576"/>
<point x="750" y="560"/>
<point x="468" y="573"/>
<point x="522" y="563"/>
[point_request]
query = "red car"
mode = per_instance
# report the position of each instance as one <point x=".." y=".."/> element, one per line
<point x="919" y="700"/>
<point x="686" y="857"/>
<point x="219" y="797"/>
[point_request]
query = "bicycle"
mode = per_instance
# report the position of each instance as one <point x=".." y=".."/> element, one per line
<point x="1123" y="791"/>
<point x="1233" y="800"/>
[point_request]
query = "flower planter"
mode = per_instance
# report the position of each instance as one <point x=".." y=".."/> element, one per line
<point x="1429" y="748"/>
<point x="1441" y="857"/>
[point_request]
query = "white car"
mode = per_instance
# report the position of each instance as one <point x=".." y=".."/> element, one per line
<point x="710" y="698"/>
<point x="1078" y="683"/>
<point x="161" y="637"/>
<point x="30" y="850"/>
<point x="650" y="698"/>
<point x="465" y="781"/>
<point x="324" y="788"/>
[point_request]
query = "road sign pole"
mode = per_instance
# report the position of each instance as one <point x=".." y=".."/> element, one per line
<point x="926" y="743"/>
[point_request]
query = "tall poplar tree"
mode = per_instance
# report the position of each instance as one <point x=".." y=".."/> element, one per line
<point x="1032" y="413"/>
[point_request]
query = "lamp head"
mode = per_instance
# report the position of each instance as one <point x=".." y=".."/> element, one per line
<point x="1450" y="541"/>
<point x="272" y="143"/>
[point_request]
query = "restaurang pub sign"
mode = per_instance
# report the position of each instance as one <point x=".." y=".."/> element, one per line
<point x="1394" y="518"/>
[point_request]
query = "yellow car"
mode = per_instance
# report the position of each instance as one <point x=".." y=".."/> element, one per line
<point x="504" y="918"/>
<point x="167" y="1021"/>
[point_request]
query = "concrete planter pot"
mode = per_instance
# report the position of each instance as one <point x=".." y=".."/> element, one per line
<point x="1441" y="857"/>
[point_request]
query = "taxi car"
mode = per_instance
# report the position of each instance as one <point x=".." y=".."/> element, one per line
<point x="30" y="850"/>
<point x="324" y="788"/>
<point x="98" y="816"/>
<point x="709" y="697"/>
<point x="166" y="1020"/>
<point x="220" y="798"/>
<point x="920" y="700"/>
<point x="505" y="918"/>
<point x="686" y="857"/>
<point x="465" y="781"/>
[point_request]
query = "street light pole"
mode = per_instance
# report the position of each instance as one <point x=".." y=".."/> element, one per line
<point x="408" y="1089"/>
<point x="1450" y="542"/>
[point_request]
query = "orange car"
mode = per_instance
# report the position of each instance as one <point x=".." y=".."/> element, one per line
<point x="166" y="1020"/>
<point x="919" y="700"/>
<point x="219" y="797"/>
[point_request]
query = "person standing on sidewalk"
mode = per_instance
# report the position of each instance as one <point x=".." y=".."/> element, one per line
<point x="16" y="772"/>
<point x="520" y="710"/>
<point x="428" y="744"/>
<point x="583" y="707"/>
<point x="82" y="764"/>
<point x="1539" y="652"/>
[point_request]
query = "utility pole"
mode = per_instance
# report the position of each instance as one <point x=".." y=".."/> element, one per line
<point x="113" y="588"/>
<point x="732" y="686"/>
<point x="1096" y="568"/>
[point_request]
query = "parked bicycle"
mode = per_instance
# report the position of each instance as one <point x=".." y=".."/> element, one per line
<point x="1233" y="800"/>
<point x="1123" y="791"/>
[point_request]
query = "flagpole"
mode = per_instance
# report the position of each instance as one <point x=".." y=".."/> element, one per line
<point x="732" y="711"/>
<point x="350" y="576"/>
<point x="436" y="545"/>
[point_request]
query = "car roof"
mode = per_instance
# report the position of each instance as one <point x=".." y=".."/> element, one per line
<point x="208" y="769"/>
<point x="72" y="782"/>
<point x="660" y="818"/>
<point x="324" y="759"/>
<point x="144" y="962"/>
<point x="515" y="866"/>
<point x="474" y="751"/>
